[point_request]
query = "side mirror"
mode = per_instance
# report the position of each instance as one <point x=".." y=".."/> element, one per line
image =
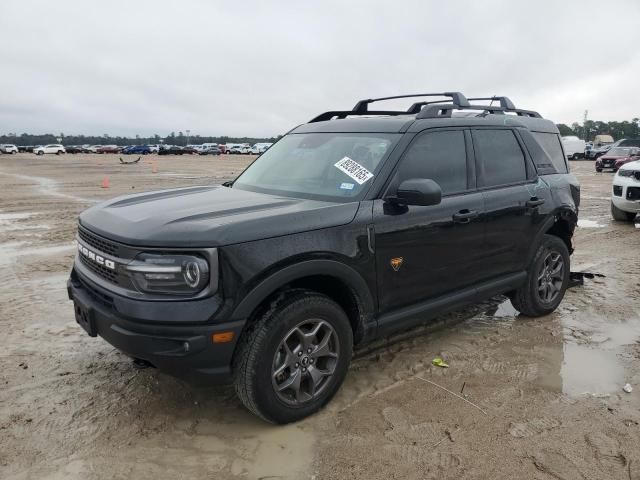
<point x="418" y="191"/>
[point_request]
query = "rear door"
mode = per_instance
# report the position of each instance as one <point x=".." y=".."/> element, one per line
<point x="423" y="252"/>
<point x="512" y="196"/>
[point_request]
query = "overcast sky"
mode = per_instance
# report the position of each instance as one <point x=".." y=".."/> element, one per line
<point x="260" y="68"/>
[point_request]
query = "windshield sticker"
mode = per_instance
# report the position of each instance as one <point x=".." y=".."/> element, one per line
<point x="347" y="186"/>
<point x="354" y="170"/>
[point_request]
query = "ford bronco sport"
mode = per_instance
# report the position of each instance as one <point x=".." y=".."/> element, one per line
<point x="354" y="225"/>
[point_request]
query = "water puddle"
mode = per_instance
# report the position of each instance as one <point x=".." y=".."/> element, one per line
<point x="10" y="252"/>
<point x="49" y="186"/>
<point x="11" y="222"/>
<point x="587" y="223"/>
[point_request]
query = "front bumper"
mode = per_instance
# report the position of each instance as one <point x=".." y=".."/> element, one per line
<point x="185" y="351"/>
<point x="629" y="191"/>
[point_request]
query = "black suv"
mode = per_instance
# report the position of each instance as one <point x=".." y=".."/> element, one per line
<point x="352" y="226"/>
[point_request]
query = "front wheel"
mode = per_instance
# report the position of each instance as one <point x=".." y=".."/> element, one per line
<point x="547" y="279"/>
<point x="292" y="360"/>
<point x="621" y="215"/>
<point x="599" y="170"/>
<point x="40" y="153"/>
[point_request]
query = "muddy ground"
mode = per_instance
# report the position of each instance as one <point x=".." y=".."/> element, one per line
<point x="544" y="396"/>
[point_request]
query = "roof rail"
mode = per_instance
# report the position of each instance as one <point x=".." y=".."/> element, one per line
<point x="444" y="110"/>
<point x="505" y="102"/>
<point x="362" y="107"/>
<point x="457" y="98"/>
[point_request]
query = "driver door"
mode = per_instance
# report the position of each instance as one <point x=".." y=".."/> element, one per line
<point x="423" y="252"/>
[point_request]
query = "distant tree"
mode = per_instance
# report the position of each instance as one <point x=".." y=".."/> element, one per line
<point x="565" y="130"/>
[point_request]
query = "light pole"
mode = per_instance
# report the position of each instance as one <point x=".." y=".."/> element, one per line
<point x="188" y="132"/>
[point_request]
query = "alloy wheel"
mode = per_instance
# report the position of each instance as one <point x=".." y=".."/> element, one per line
<point x="305" y="361"/>
<point x="551" y="277"/>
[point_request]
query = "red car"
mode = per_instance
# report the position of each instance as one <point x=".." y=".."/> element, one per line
<point x="616" y="157"/>
<point x="108" y="149"/>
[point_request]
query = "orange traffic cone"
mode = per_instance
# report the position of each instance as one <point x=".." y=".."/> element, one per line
<point x="105" y="182"/>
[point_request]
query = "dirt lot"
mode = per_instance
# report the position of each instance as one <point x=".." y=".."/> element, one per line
<point x="545" y="395"/>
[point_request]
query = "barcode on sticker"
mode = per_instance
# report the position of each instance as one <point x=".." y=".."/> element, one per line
<point x="354" y="170"/>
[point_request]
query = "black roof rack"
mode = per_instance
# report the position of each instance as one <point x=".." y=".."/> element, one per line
<point x="433" y="109"/>
<point x="445" y="110"/>
<point x="505" y="102"/>
<point x="362" y="107"/>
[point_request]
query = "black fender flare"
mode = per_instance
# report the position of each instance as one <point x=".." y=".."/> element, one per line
<point x="304" y="269"/>
<point x="563" y="213"/>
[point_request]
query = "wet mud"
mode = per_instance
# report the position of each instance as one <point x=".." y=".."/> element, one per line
<point x="534" y="398"/>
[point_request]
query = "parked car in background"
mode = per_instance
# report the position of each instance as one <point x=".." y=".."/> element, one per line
<point x="26" y="148"/>
<point x="8" y="148"/>
<point x="241" y="150"/>
<point x="189" y="150"/>
<point x="625" y="195"/>
<point x="229" y="146"/>
<point x="92" y="148"/>
<point x="154" y="148"/>
<point x="137" y="149"/>
<point x="74" y="149"/>
<point x="616" y="157"/>
<point x="260" y="148"/>
<point x="214" y="150"/>
<point x="52" y="148"/>
<point x="573" y="147"/>
<point x="171" y="150"/>
<point x="108" y="149"/>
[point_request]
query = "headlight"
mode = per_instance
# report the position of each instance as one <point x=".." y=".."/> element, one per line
<point x="170" y="274"/>
<point x="625" y="173"/>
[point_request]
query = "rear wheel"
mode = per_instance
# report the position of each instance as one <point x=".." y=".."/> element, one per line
<point x="292" y="360"/>
<point x="621" y="215"/>
<point x="598" y="170"/>
<point x="40" y="152"/>
<point x="547" y="279"/>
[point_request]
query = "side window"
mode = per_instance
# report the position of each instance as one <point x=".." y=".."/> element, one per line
<point x="440" y="156"/>
<point x="501" y="160"/>
<point x="550" y="142"/>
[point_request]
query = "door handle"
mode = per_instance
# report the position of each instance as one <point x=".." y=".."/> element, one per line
<point x="465" y="216"/>
<point x="534" y="202"/>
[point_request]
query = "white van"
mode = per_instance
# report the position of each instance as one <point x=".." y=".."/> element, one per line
<point x="573" y="147"/>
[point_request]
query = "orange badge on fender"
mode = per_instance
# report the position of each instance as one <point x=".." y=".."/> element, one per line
<point x="396" y="263"/>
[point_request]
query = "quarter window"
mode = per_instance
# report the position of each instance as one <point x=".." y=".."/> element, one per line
<point x="500" y="157"/>
<point x="550" y="142"/>
<point x="439" y="156"/>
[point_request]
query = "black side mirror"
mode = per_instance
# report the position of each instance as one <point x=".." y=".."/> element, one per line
<point x="418" y="191"/>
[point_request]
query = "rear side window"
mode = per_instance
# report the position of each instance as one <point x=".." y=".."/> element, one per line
<point x="550" y="142"/>
<point x="439" y="156"/>
<point x="501" y="161"/>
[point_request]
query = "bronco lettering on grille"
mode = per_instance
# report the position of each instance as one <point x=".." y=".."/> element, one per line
<point x="94" y="257"/>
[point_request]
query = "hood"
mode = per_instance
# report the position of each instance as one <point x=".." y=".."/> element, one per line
<point x="613" y="157"/>
<point x="635" y="165"/>
<point x="209" y="216"/>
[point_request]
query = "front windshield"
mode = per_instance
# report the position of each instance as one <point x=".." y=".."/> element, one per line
<point x="323" y="166"/>
<point x="619" y="151"/>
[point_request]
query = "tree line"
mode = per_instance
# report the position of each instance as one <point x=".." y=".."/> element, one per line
<point x="589" y="129"/>
<point x="172" y="139"/>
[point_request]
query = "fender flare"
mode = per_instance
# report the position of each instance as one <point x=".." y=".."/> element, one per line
<point x="546" y="225"/>
<point x="303" y="269"/>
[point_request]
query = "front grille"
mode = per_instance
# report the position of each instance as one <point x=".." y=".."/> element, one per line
<point x="633" y="193"/>
<point x="99" y="270"/>
<point x="607" y="163"/>
<point x="99" y="243"/>
<point x="103" y="299"/>
<point x="617" y="190"/>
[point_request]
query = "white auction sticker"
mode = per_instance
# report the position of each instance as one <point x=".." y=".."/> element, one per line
<point x="354" y="170"/>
